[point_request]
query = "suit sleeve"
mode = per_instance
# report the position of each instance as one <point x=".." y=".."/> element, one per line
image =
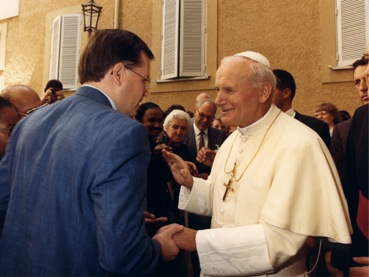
<point x="119" y="197"/>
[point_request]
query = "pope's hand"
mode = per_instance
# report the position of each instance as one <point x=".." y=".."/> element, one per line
<point x="180" y="169"/>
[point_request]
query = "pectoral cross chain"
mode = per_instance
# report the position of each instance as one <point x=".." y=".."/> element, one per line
<point x="229" y="184"/>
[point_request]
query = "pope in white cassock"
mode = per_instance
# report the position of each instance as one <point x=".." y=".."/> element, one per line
<point x="273" y="183"/>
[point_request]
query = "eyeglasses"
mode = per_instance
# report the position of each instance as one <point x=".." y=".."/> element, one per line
<point x="8" y="130"/>
<point x="319" y="113"/>
<point x="32" y="110"/>
<point x="208" y="117"/>
<point x="146" y="81"/>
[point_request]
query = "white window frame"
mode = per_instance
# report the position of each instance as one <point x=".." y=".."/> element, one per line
<point x="65" y="49"/>
<point x="352" y="25"/>
<point x="183" y="40"/>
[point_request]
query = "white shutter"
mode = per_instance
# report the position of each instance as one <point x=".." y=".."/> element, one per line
<point x="352" y="30"/>
<point x="69" y="50"/>
<point x="54" y="50"/>
<point x="169" y="45"/>
<point x="192" y="38"/>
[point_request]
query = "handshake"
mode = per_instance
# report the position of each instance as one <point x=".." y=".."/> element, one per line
<point x="173" y="238"/>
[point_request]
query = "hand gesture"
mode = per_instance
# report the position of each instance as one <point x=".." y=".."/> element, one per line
<point x="179" y="168"/>
<point x="151" y="219"/>
<point x="206" y="156"/>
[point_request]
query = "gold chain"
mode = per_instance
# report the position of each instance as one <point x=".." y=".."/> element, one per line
<point x="257" y="151"/>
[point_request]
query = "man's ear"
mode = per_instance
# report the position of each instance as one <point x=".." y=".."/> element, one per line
<point x="287" y="93"/>
<point x="265" y="92"/>
<point x="118" y="72"/>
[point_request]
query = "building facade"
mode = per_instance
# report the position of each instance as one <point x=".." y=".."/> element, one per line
<point x="189" y="38"/>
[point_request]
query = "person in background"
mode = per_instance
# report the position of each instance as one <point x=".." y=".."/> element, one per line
<point x="340" y="132"/>
<point x="283" y="96"/>
<point x="218" y="124"/>
<point x="73" y="179"/>
<point x="152" y="117"/>
<point x="53" y="91"/>
<point x="328" y="113"/>
<point x="345" y="115"/>
<point x="24" y="99"/>
<point x="354" y="260"/>
<point x="267" y="191"/>
<point x="8" y="119"/>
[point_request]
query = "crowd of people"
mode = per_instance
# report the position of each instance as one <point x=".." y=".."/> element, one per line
<point x="102" y="182"/>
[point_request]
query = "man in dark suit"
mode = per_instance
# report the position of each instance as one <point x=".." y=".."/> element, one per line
<point x="73" y="181"/>
<point x="211" y="139"/>
<point x="340" y="131"/>
<point x="283" y="96"/>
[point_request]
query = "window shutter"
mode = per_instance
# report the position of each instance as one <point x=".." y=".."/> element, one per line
<point x="69" y="50"/>
<point x="192" y="40"/>
<point x="169" y="47"/>
<point x="352" y="30"/>
<point x="54" y="51"/>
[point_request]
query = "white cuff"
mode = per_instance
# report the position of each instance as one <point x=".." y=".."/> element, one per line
<point x="235" y="251"/>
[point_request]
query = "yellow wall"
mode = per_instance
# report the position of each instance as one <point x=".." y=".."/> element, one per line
<point x="295" y="35"/>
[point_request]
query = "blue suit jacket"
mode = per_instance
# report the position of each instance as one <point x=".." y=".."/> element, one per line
<point x="76" y="173"/>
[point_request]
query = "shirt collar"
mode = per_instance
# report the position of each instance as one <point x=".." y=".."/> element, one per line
<point x="107" y="96"/>
<point x="291" y="112"/>
<point x="198" y="131"/>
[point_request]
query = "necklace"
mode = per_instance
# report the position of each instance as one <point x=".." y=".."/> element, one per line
<point x="232" y="172"/>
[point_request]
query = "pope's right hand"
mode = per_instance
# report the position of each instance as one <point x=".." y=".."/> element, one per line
<point x="180" y="169"/>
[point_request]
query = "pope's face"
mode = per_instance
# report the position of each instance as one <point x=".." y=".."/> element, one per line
<point x="237" y="100"/>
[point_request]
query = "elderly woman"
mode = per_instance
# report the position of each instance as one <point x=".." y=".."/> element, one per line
<point x="162" y="191"/>
<point x="328" y="113"/>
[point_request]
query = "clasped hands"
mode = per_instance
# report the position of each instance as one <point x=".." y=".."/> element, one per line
<point x="173" y="238"/>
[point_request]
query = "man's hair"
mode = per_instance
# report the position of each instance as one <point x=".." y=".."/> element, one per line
<point x="53" y="83"/>
<point x="4" y="103"/>
<point x="176" y="114"/>
<point x="143" y="108"/>
<point x="200" y="102"/>
<point x="359" y="62"/>
<point x="285" y="80"/>
<point x="107" y="48"/>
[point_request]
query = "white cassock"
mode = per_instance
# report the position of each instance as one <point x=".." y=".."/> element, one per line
<point x="285" y="189"/>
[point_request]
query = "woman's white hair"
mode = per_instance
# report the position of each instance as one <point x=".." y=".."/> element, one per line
<point x="176" y="114"/>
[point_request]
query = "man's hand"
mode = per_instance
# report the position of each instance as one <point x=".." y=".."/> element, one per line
<point x="151" y="219"/>
<point x="186" y="240"/>
<point x="206" y="156"/>
<point x="168" y="248"/>
<point x="180" y="169"/>
<point x="51" y="97"/>
<point x="360" y="270"/>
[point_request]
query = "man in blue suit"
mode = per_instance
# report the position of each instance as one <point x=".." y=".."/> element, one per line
<point x="73" y="178"/>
